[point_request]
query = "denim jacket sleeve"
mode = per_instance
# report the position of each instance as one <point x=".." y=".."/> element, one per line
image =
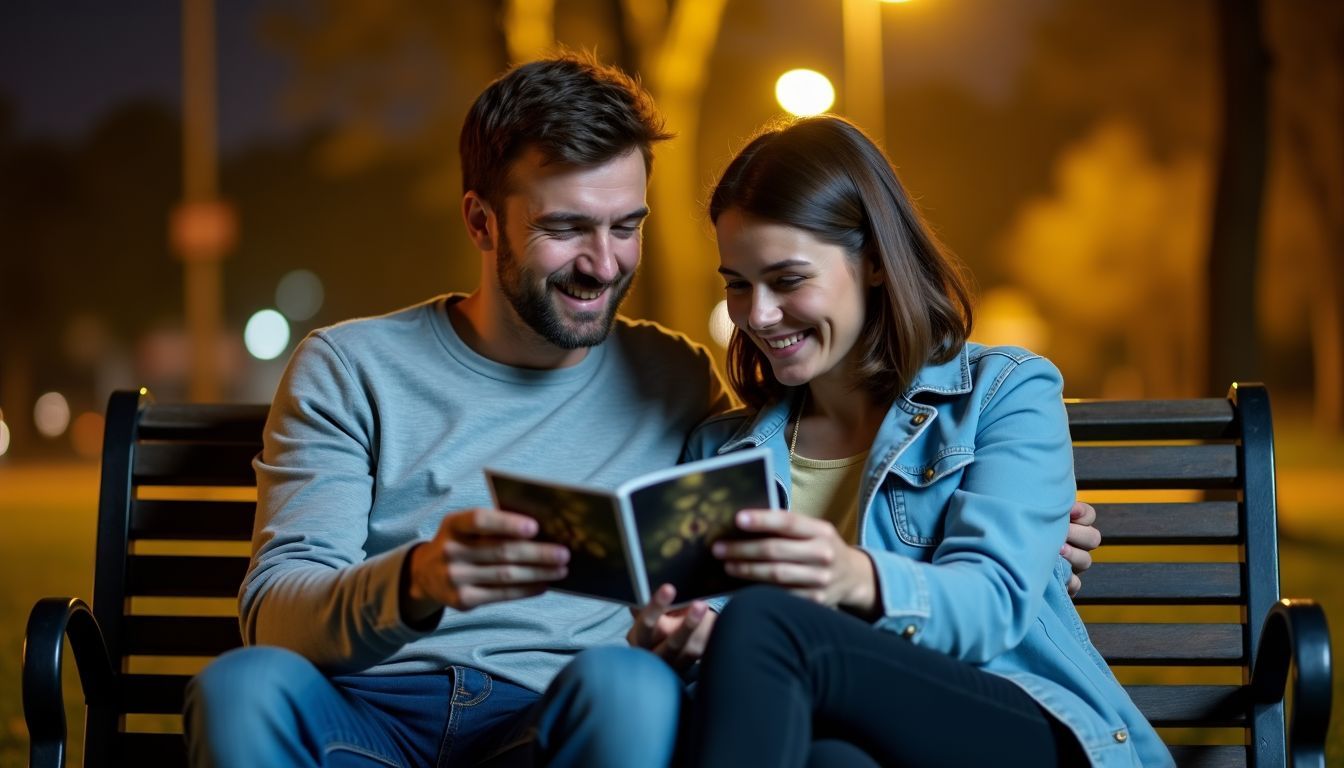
<point x="986" y="580"/>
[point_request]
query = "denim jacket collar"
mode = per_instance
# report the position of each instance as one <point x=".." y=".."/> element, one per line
<point x="952" y="377"/>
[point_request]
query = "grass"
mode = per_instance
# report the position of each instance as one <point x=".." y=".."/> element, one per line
<point x="49" y="517"/>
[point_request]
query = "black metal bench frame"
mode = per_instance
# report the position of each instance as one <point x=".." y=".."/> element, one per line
<point x="1221" y="448"/>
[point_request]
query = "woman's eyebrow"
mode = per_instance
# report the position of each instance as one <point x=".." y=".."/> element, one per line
<point x="775" y="267"/>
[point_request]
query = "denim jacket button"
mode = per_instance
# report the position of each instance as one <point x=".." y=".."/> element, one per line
<point x="919" y="418"/>
<point x="928" y="473"/>
<point x="1121" y="737"/>
<point x="909" y="631"/>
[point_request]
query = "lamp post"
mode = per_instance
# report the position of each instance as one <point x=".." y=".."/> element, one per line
<point x="865" y="84"/>
<point x="861" y="22"/>
<point x="202" y="227"/>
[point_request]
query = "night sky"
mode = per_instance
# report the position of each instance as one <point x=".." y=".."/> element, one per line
<point x="65" y="62"/>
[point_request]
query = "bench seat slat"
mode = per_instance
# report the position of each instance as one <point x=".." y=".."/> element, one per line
<point x="181" y="635"/>
<point x="192" y="520"/>
<point x="1208" y="706"/>
<point x="1201" y="419"/>
<point x="1155" y="466"/>
<point x="1200" y="522"/>
<point x="1157" y="583"/>
<point x="184" y="576"/>
<point x="1194" y="644"/>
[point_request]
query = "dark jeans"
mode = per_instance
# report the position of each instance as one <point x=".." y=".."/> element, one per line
<point x="786" y="682"/>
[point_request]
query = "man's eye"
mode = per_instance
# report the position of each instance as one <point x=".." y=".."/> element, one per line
<point x="626" y="231"/>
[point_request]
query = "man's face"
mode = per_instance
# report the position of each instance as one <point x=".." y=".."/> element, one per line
<point x="569" y="244"/>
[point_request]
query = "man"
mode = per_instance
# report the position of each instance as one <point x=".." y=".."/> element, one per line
<point x="394" y="618"/>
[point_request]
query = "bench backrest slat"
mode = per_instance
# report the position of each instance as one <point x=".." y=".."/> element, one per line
<point x="192" y="520"/>
<point x="1195" y="522"/>
<point x="1157" y="644"/>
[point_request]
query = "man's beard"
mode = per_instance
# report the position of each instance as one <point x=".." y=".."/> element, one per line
<point x="532" y="301"/>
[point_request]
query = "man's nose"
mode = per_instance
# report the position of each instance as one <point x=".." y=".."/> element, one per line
<point x="599" y="258"/>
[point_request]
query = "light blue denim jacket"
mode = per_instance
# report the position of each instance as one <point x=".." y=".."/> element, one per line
<point x="963" y="507"/>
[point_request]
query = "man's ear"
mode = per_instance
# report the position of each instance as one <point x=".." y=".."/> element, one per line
<point x="482" y="224"/>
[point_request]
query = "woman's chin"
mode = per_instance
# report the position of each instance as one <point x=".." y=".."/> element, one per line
<point x="791" y="376"/>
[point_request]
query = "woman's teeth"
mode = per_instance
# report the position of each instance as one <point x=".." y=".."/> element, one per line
<point x="787" y="341"/>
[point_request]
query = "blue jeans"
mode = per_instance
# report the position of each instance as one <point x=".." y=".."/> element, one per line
<point x="611" y="706"/>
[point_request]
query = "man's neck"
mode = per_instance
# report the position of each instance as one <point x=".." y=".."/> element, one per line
<point x="493" y="330"/>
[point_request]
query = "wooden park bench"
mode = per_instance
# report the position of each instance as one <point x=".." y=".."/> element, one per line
<point x="172" y="551"/>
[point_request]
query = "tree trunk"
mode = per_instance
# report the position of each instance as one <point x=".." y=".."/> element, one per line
<point x="1234" y="350"/>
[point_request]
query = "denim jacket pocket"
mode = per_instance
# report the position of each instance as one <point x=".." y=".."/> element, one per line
<point x="920" y="492"/>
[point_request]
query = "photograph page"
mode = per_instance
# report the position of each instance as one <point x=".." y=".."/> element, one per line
<point x="681" y="513"/>
<point x="587" y="521"/>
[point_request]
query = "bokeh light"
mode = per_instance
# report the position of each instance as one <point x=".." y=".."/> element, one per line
<point x="4" y="437"/>
<point x="804" y="92"/>
<point x="299" y="295"/>
<point x="266" y="334"/>
<point x="1008" y="315"/>
<point x="51" y="414"/>
<point x="720" y="324"/>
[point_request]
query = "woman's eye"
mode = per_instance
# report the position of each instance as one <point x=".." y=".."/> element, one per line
<point x="735" y="286"/>
<point x="790" y="281"/>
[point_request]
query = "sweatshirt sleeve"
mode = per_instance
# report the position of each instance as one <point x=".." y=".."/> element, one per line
<point x="310" y="586"/>
<point x="987" y="579"/>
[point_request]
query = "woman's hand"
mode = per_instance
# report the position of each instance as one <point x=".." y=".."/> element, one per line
<point x="678" y="636"/>
<point x="804" y="555"/>
<point x="1083" y="538"/>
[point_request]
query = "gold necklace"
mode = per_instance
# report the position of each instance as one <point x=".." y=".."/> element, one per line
<point x="797" y="422"/>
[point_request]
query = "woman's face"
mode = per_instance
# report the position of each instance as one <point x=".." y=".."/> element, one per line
<point x="799" y="299"/>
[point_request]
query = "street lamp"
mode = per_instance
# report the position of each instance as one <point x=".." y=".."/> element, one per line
<point x="804" y="92"/>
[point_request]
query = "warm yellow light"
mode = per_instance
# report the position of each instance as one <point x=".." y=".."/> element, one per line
<point x="804" y="92"/>
<point x="894" y="2"/>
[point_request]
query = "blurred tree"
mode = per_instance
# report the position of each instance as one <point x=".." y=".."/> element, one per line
<point x="84" y="228"/>
<point x="1112" y="254"/>
<point x="1234" y="242"/>
<point x="397" y="77"/>
<point x="1307" y="204"/>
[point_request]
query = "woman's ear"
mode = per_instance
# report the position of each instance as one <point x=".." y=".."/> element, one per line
<point x="874" y="275"/>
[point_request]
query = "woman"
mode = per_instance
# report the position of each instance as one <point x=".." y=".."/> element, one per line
<point x="924" y="617"/>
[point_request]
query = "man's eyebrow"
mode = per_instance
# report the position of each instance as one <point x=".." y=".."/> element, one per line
<point x="583" y="219"/>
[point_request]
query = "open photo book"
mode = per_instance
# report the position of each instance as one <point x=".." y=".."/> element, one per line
<point x="655" y="529"/>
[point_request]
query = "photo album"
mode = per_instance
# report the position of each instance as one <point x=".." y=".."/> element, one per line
<point x="655" y="529"/>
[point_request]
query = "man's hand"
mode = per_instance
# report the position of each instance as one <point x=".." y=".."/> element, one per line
<point x="479" y="556"/>
<point x="1083" y="538"/>
<point x="679" y="636"/>
<point x="804" y="555"/>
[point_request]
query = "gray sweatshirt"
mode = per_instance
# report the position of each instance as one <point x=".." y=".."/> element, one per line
<point x="381" y="426"/>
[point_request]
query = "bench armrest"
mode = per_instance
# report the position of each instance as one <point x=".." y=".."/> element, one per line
<point x="51" y="620"/>
<point x="1295" y="631"/>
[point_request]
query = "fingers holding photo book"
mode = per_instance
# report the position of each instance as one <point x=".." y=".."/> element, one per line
<point x="655" y="529"/>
